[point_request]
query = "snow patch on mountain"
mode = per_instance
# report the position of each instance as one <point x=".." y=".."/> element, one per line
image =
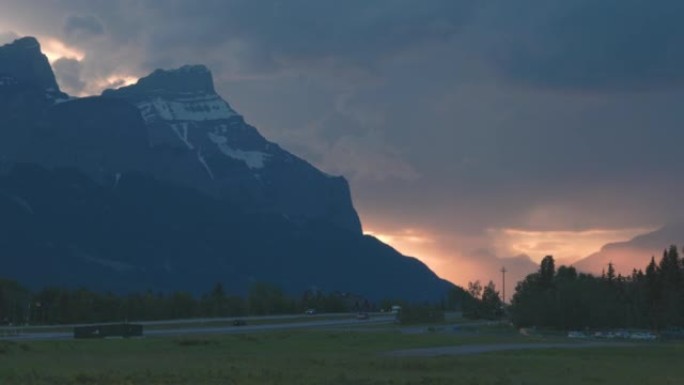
<point x="253" y="159"/>
<point x="196" y="108"/>
<point x="181" y="130"/>
<point x="201" y="159"/>
<point x="60" y="100"/>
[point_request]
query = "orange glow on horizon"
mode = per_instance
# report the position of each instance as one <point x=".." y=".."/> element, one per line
<point x="408" y="236"/>
<point x="119" y="80"/>
<point x="461" y="267"/>
<point x="55" y="49"/>
<point x="565" y="245"/>
<point x="95" y="87"/>
<point x="418" y="244"/>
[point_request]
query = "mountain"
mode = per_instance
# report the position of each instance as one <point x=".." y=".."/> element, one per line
<point x="162" y="185"/>
<point x="635" y="253"/>
<point x="228" y="157"/>
<point x="138" y="233"/>
<point x="22" y="63"/>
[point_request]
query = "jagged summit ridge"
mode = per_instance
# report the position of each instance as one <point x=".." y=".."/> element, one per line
<point x="28" y="42"/>
<point x="188" y="79"/>
<point x="22" y="62"/>
<point x="185" y="94"/>
<point x="181" y="108"/>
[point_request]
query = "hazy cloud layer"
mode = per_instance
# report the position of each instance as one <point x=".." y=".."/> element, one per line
<point x="80" y="27"/>
<point x="7" y="37"/>
<point x="69" y="73"/>
<point x="456" y="117"/>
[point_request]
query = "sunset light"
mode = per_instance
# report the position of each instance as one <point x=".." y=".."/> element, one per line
<point x="341" y="192"/>
<point x="55" y="49"/>
<point x="115" y="81"/>
<point x="568" y="246"/>
<point x="425" y="247"/>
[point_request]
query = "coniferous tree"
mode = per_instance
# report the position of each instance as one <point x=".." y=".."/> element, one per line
<point x="651" y="299"/>
<point x="492" y="306"/>
<point x="610" y="274"/>
<point x="547" y="271"/>
<point x="670" y="282"/>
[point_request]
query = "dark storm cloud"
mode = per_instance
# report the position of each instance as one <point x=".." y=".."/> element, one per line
<point x="83" y="26"/>
<point x="354" y="32"/>
<point x="608" y="44"/>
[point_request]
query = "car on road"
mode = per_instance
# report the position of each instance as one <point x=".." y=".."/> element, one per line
<point x="310" y="311"/>
<point x="239" y="322"/>
<point x="362" y="316"/>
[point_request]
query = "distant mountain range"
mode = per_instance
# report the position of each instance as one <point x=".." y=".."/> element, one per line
<point x="162" y="185"/>
<point x="635" y="253"/>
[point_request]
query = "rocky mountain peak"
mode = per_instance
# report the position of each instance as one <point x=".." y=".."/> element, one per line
<point x="183" y="81"/>
<point x="27" y="42"/>
<point x="182" y="111"/>
<point x="22" y="62"/>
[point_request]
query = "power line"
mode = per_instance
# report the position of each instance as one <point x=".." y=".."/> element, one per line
<point x="503" y="283"/>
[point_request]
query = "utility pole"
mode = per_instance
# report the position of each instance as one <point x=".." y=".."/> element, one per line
<point x="503" y="283"/>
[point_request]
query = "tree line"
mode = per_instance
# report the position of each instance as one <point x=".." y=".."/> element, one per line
<point x="58" y="305"/>
<point x="563" y="298"/>
<point x="482" y="302"/>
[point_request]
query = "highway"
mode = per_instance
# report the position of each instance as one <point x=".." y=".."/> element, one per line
<point x="42" y="333"/>
<point x="282" y="317"/>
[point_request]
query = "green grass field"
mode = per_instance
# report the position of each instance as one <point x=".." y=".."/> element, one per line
<point x="328" y="357"/>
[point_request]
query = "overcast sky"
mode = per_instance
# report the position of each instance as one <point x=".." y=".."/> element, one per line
<point x="470" y="130"/>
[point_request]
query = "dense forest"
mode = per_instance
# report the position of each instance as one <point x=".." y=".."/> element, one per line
<point x="53" y="305"/>
<point x="565" y="299"/>
<point x="552" y="297"/>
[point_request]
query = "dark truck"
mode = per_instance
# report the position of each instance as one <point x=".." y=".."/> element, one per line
<point x="122" y="330"/>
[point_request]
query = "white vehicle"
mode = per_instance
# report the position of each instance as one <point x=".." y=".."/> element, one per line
<point x="576" y="334"/>
<point x="643" y="336"/>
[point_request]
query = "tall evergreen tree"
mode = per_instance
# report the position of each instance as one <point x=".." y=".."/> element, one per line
<point x="492" y="306"/>
<point x="610" y="274"/>
<point x="671" y="288"/>
<point x="547" y="271"/>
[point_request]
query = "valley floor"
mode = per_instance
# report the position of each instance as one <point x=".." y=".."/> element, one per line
<point x="340" y="356"/>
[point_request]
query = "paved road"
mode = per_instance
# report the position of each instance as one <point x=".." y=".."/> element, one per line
<point x="270" y="327"/>
<point x="185" y="321"/>
<point x="478" y="349"/>
<point x="181" y="331"/>
<point x="454" y="328"/>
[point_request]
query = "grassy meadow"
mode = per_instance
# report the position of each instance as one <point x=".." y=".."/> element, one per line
<point x="328" y="357"/>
